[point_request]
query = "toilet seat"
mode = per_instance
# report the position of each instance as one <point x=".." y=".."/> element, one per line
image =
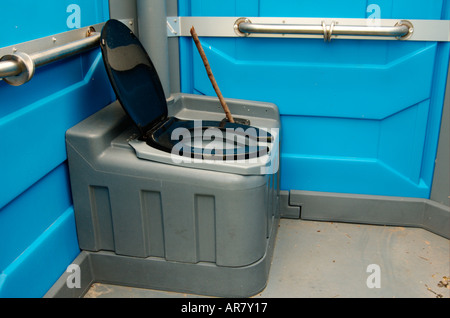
<point x="139" y="91"/>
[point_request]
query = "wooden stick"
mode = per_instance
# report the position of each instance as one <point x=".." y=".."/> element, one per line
<point x="211" y="76"/>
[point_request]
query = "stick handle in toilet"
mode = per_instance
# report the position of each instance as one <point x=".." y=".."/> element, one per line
<point x="210" y="75"/>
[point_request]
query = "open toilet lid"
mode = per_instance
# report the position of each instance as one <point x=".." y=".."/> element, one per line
<point x="132" y="75"/>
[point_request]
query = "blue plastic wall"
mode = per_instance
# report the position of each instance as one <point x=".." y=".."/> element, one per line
<point x="37" y="228"/>
<point x="358" y="116"/>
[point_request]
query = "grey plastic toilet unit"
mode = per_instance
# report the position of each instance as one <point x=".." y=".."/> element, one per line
<point x="198" y="226"/>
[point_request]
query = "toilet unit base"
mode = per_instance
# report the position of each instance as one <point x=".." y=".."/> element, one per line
<point x="155" y="225"/>
<point x="202" y="278"/>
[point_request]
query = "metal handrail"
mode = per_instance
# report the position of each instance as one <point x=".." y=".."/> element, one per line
<point x="401" y="30"/>
<point x="18" y="68"/>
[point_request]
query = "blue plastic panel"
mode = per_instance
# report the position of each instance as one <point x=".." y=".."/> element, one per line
<point x="38" y="237"/>
<point x="358" y="116"/>
<point x="37" y="228"/>
<point x="26" y="20"/>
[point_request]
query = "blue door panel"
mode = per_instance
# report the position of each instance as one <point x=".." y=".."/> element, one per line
<point x="310" y="8"/>
<point x="31" y="213"/>
<point x="358" y="116"/>
<point x="26" y="20"/>
<point x="389" y="9"/>
<point x="38" y="125"/>
<point x="38" y="267"/>
<point x="342" y="138"/>
<point x="355" y="176"/>
<point x="322" y="88"/>
<point x="436" y="100"/>
<point x="37" y="226"/>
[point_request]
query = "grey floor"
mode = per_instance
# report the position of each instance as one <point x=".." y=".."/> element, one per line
<point x="332" y="260"/>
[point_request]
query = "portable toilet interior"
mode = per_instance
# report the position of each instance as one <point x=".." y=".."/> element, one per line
<point x="361" y="89"/>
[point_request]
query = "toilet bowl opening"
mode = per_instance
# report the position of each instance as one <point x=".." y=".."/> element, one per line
<point x="220" y="143"/>
<point x="225" y="143"/>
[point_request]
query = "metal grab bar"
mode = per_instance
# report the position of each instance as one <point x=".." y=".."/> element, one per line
<point x="18" y="68"/>
<point x="401" y="30"/>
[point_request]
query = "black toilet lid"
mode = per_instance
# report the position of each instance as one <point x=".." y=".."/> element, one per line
<point x="132" y="75"/>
